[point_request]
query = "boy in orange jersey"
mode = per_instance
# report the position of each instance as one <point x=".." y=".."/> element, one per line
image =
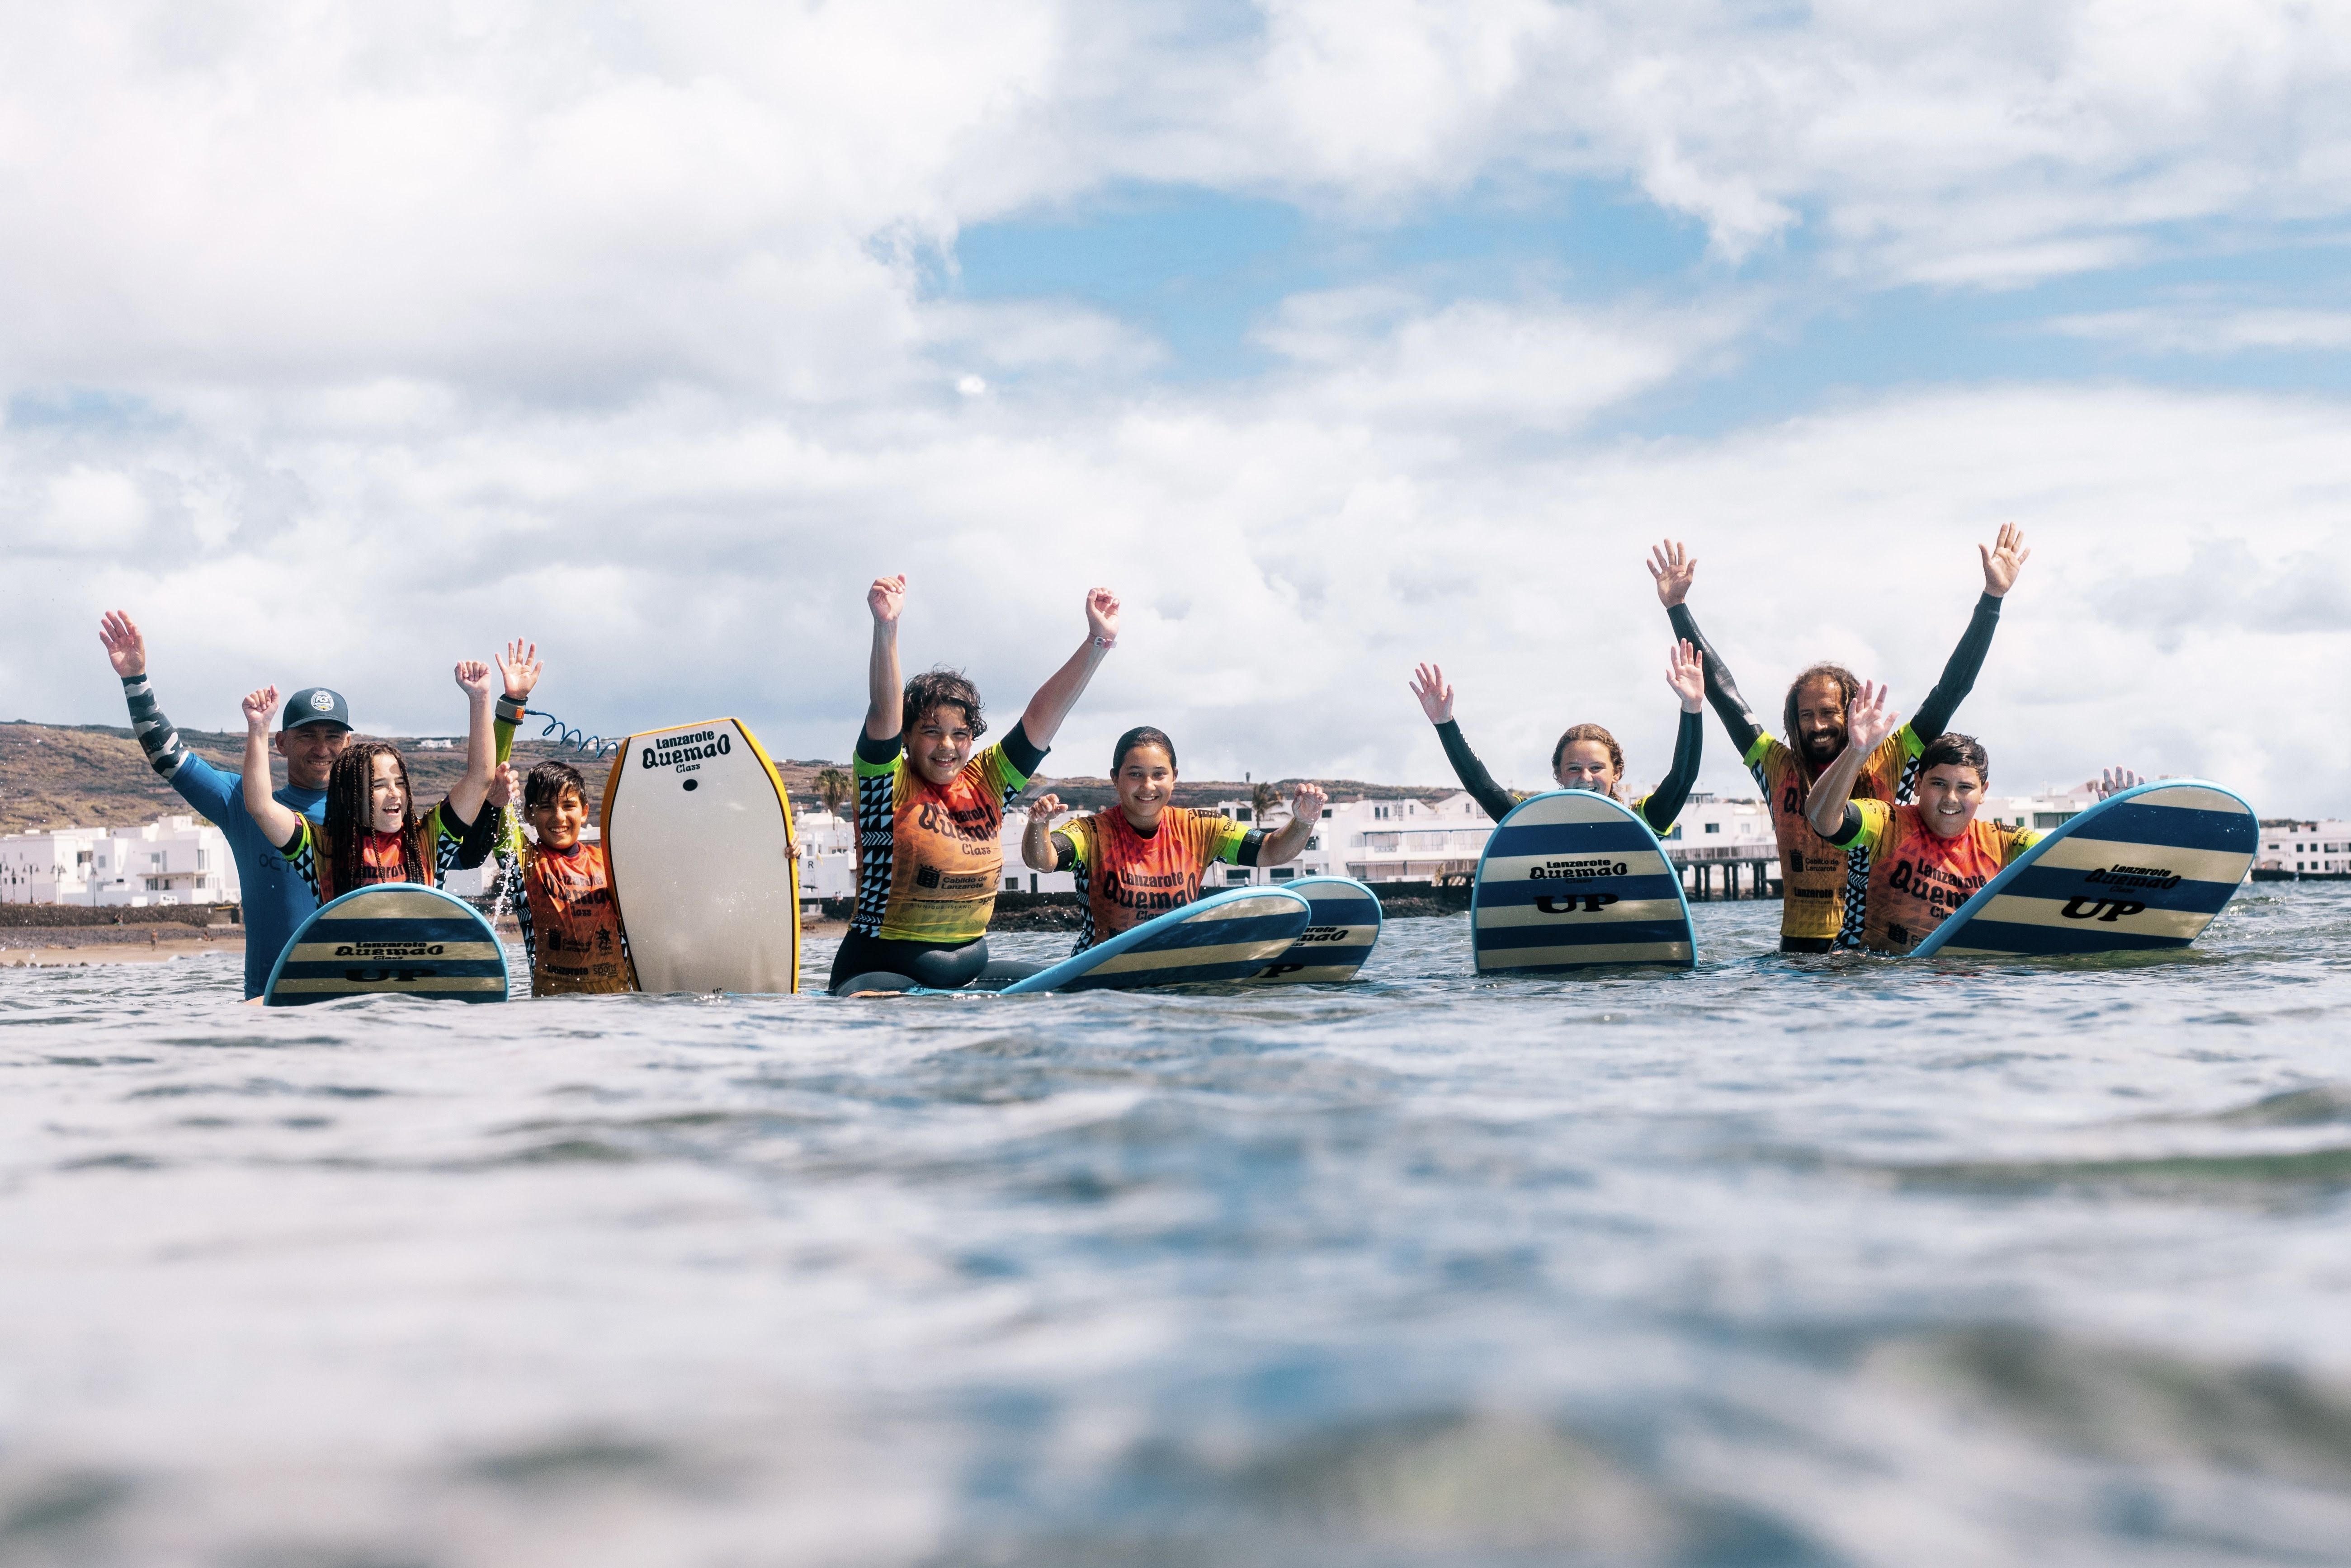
<point x="1145" y="857"/>
<point x="1927" y="859"/>
<point x="1824" y="887"/>
<point x="929" y="809"/>
<point x="559" y="887"/>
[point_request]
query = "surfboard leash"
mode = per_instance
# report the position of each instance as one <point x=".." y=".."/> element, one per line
<point x="594" y="746"/>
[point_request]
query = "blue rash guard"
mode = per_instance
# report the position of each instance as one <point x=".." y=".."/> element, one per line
<point x="277" y="899"/>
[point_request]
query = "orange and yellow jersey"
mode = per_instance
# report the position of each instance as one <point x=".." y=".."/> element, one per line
<point x="1128" y="877"/>
<point x="570" y="927"/>
<point x="1826" y="885"/>
<point x="312" y="850"/>
<point x="930" y="858"/>
<point x="1917" y="878"/>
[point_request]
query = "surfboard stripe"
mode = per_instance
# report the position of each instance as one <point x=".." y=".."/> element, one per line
<point x="459" y="987"/>
<point x="1573" y="879"/>
<point x="1567" y="909"/>
<point x="1590" y="956"/>
<point x="1563" y="934"/>
<point x="2065" y="884"/>
<point x="403" y="931"/>
<point x="1994" y="939"/>
<point x="1342" y="928"/>
<point x="2145" y="871"/>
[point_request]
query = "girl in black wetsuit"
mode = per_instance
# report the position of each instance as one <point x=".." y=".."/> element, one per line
<point x="1587" y="757"/>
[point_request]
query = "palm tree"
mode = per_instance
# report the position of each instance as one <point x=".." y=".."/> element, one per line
<point x="834" y="788"/>
<point x="1265" y="798"/>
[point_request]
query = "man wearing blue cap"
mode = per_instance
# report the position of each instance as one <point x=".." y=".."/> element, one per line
<point x="277" y="899"/>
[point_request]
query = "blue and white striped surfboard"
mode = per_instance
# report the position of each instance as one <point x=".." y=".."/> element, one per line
<point x="1342" y="927"/>
<point x="1227" y="936"/>
<point x="2145" y="869"/>
<point x="396" y="938"/>
<point x="1572" y="880"/>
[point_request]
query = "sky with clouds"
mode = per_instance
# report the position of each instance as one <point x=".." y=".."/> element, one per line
<point x="338" y="341"/>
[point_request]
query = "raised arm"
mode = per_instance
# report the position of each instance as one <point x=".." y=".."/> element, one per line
<point x="277" y="824"/>
<point x="1059" y="694"/>
<point x="1684" y="673"/>
<point x="2002" y="561"/>
<point x="1436" y="697"/>
<point x="1868" y="720"/>
<point x="205" y="787"/>
<point x="886" y="694"/>
<point x="1306" y="805"/>
<point x="465" y="796"/>
<point x="1037" y="850"/>
<point x="1674" y="569"/>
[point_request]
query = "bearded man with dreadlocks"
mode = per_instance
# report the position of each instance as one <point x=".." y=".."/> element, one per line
<point x="371" y="833"/>
<point x="1825" y="900"/>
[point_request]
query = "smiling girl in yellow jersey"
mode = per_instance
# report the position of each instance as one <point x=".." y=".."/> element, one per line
<point x="1826" y="885"/>
<point x="929" y="811"/>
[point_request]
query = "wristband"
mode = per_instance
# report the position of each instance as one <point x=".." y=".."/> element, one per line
<point x="511" y="708"/>
<point x="1105" y="643"/>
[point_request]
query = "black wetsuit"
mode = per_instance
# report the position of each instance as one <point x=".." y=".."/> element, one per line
<point x="1658" y="808"/>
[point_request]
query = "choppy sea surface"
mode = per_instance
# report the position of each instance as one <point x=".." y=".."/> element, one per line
<point x="1819" y="1260"/>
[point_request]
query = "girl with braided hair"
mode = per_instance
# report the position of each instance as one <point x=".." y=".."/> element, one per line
<point x="373" y="833"/>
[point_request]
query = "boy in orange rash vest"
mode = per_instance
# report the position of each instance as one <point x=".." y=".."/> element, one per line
<point x="1927" y="859"/>
<point x="1144" y="857"/>
<point x="559" y="888"/>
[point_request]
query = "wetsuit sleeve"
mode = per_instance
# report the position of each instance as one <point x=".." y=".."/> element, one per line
<point x="1934" y="714"/>
<point x="1664" y="803"/>
<point x="1495" y="800"/>
<point x="1863" y="826"/>
<point x="878" y="755"/>
<point x="1021" y="753"/>
<point x="1065" y="851"/>
<point x="1721" y="690"/>
<point x="480" y="836"/>
<point x="1250" y="845"/>
<point x="211" y="792"/>
<point x="1226" y="839"/>
<point x="302" y="850"/>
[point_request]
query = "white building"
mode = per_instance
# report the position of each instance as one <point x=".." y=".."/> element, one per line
<point x="2309" y="849"/>
<point x="172" y="860"/>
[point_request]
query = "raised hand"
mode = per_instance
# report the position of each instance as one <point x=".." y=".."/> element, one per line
<point x="1672" y="569"/>
<point x="1306" y="803"/>
<point x="1044" y="808"/>
<point x="473" y="677"/>
<point x="125" y="648"/>
<point x="886" y="597"/>
<point x="520" y="666"/>
<point x="258" y="707"/>
<point x="1870" y="718"/>
<point x="1686" y="673"/>
<point x="506" y="785"/>
<point x="1436" y="697"/>
<point x="1101" y="615"/>
<point x="2114" y="781"/>
<point x="2004" y="560"/>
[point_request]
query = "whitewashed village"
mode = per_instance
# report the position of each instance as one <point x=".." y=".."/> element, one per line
<point x="1723" y="847"/>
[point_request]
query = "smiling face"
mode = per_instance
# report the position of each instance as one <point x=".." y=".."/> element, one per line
<point x="940" y="744"/>
<point x="1587" y="764"/>
<point x="387" y="794"/>
<point x="1949" y="795"/>
<point x="1145" y="782"/>
<point x="310" y="752"/>
<point x="1820" y="721"/>
<point x="558" y="822"/>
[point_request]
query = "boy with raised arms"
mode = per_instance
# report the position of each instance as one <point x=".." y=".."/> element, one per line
<point x="558" y="886"/>
<point x="1924" y="859"/>
<point x="1144" y="857"/>
<point x="929" y="811"/>
<point x="1825" y="886"/>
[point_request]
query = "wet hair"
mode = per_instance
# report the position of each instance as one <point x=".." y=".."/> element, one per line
<point x="350" y="817"/>
<point x="1948" y="750"/>
<point x="1140" y="734"/>
<point x="545" y="785"/>
<point x="1576" y="732"/>
<point x="941" y="688"/>
<point x="1847" y="683"/>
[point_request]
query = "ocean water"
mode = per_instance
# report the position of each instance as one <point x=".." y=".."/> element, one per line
<point x="1784" y="1261"/>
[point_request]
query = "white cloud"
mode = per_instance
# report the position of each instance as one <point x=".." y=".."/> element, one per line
<point x="2192" y="329"/>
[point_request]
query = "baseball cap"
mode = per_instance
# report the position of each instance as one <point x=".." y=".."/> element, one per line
<point x="315" y="705"/>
